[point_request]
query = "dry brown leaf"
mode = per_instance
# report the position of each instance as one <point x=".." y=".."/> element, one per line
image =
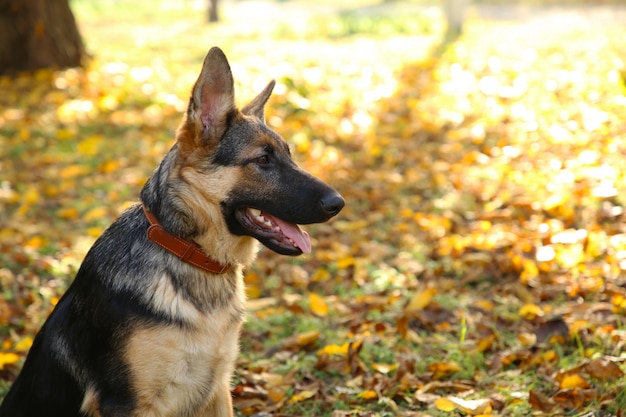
<point x="443" y="369"/>
<point x="540" y="402"/>
<point x="574" y="398"/>
<point x="604" y="370"/>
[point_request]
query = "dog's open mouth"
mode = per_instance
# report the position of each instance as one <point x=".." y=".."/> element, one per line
<point x="279" y="235"/>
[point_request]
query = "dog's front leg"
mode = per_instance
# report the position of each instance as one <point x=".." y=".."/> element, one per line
<point x="221" y="405"/>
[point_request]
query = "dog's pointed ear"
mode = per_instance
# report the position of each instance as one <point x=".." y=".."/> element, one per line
<point x="213" y="95"/>
<point x="257" y="106"/>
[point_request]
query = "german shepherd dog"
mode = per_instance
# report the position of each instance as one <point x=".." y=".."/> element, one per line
<point x="150" y="325"/>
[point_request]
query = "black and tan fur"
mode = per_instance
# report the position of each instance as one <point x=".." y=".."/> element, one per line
<point x="140" y="333"/>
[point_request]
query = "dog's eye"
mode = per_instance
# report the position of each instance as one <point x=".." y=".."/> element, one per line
<point x="263" y="160"/>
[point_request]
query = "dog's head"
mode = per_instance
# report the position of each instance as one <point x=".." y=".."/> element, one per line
<point x="235" y="161"/>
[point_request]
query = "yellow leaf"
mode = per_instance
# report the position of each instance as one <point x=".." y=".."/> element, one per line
<point x="335" y="349"/>
<point x="272" y="380"/>
<point x="569" y="256"/>
<point x="35" y="242"/>
<point x="530" y="311"/>
<point x="548" y="356"/>
<point x="346" y="262"/>
<point x="276" y="394"/>
<point x="94" y="231"/>
<point x="8" y="358"/>
<point x="64" y="134"/>
<point x="573" y="381"/>
<point x="527" y="339"/>
<point x="69" y="213"/>
<point x="96" y="213"/>
<point x="109" y="166"/>
<point x="307" y="338"/>
<point x="31" y="196"/>
<point x="24" y="134"/>
<point x="485" y="305"/>
<point x="485" y="343"/>
<point x="384" y="368"/>
<point x="51" y="190"/>
<point x="318" y="305"/>
<point x="253" y="291"/>
<point x="90" y="146"/>
<point x="554" y="200"/>
<point x="320" y="275"/>
<point x="24" y="344"/>
<point x="421" y="299"/>
<point x="73" y="171"/>
<point x="441" y="369"/>
<point x="529" y="271"/>
<point x="444" y="404"/>
<point x="368" y="395"/>
<point x="303" y="395"/>
<point x="108" y="103"/>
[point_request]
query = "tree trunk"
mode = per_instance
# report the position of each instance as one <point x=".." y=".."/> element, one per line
<point x="455" y="16"/>
<point x="37" y="34"/>
<point x="213" y="16"/>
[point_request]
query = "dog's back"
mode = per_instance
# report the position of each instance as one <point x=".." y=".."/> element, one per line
<point x="80" y="341"/>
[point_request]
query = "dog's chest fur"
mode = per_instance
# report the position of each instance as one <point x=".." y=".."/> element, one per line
<point x="175" y="367"/>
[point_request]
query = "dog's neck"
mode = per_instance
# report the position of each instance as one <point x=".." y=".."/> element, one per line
<point x="186" y="250"/>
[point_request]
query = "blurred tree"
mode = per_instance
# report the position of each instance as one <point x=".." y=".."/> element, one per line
<point x="213" y="16"/>
<point x="455" y="16"/>
<point x="38" y="34"/>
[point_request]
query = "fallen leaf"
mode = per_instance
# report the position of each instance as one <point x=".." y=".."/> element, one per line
<point x="335" y="349"/>
<point x="368" y="395"/>
<point x="318" y="305"/>
<point x="486" y="343"/>
<point x="96" y="213"/>
<point x="24" y="344"/>
<point x="444" y="404"/>
<point x="384" y="368"/>
<point x="307" y="338"/>
<point x="604" y="370"/>
<point x="421" y="299"/>
<point x="443" y="369"/>
<point x="540" y="402"/>
<point x="573" y="381"/>
<point x="530" y="311"/>
<point x="8" y="358"/>
<point x="299" y="341"/>
<point x="471" y="407"/>
<point x="575" y="398"/>
<point x="302" y="395"/>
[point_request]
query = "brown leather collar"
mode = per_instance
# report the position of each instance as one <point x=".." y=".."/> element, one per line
<point x="187" y="251"/>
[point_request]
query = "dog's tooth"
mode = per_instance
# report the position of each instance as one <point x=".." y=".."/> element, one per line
<point x="255" y="212"/>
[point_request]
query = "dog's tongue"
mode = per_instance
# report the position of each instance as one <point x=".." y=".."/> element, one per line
<point x="292" y="231"/>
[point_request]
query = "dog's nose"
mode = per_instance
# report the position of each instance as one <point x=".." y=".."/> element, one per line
<point x="332" y="203"/>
